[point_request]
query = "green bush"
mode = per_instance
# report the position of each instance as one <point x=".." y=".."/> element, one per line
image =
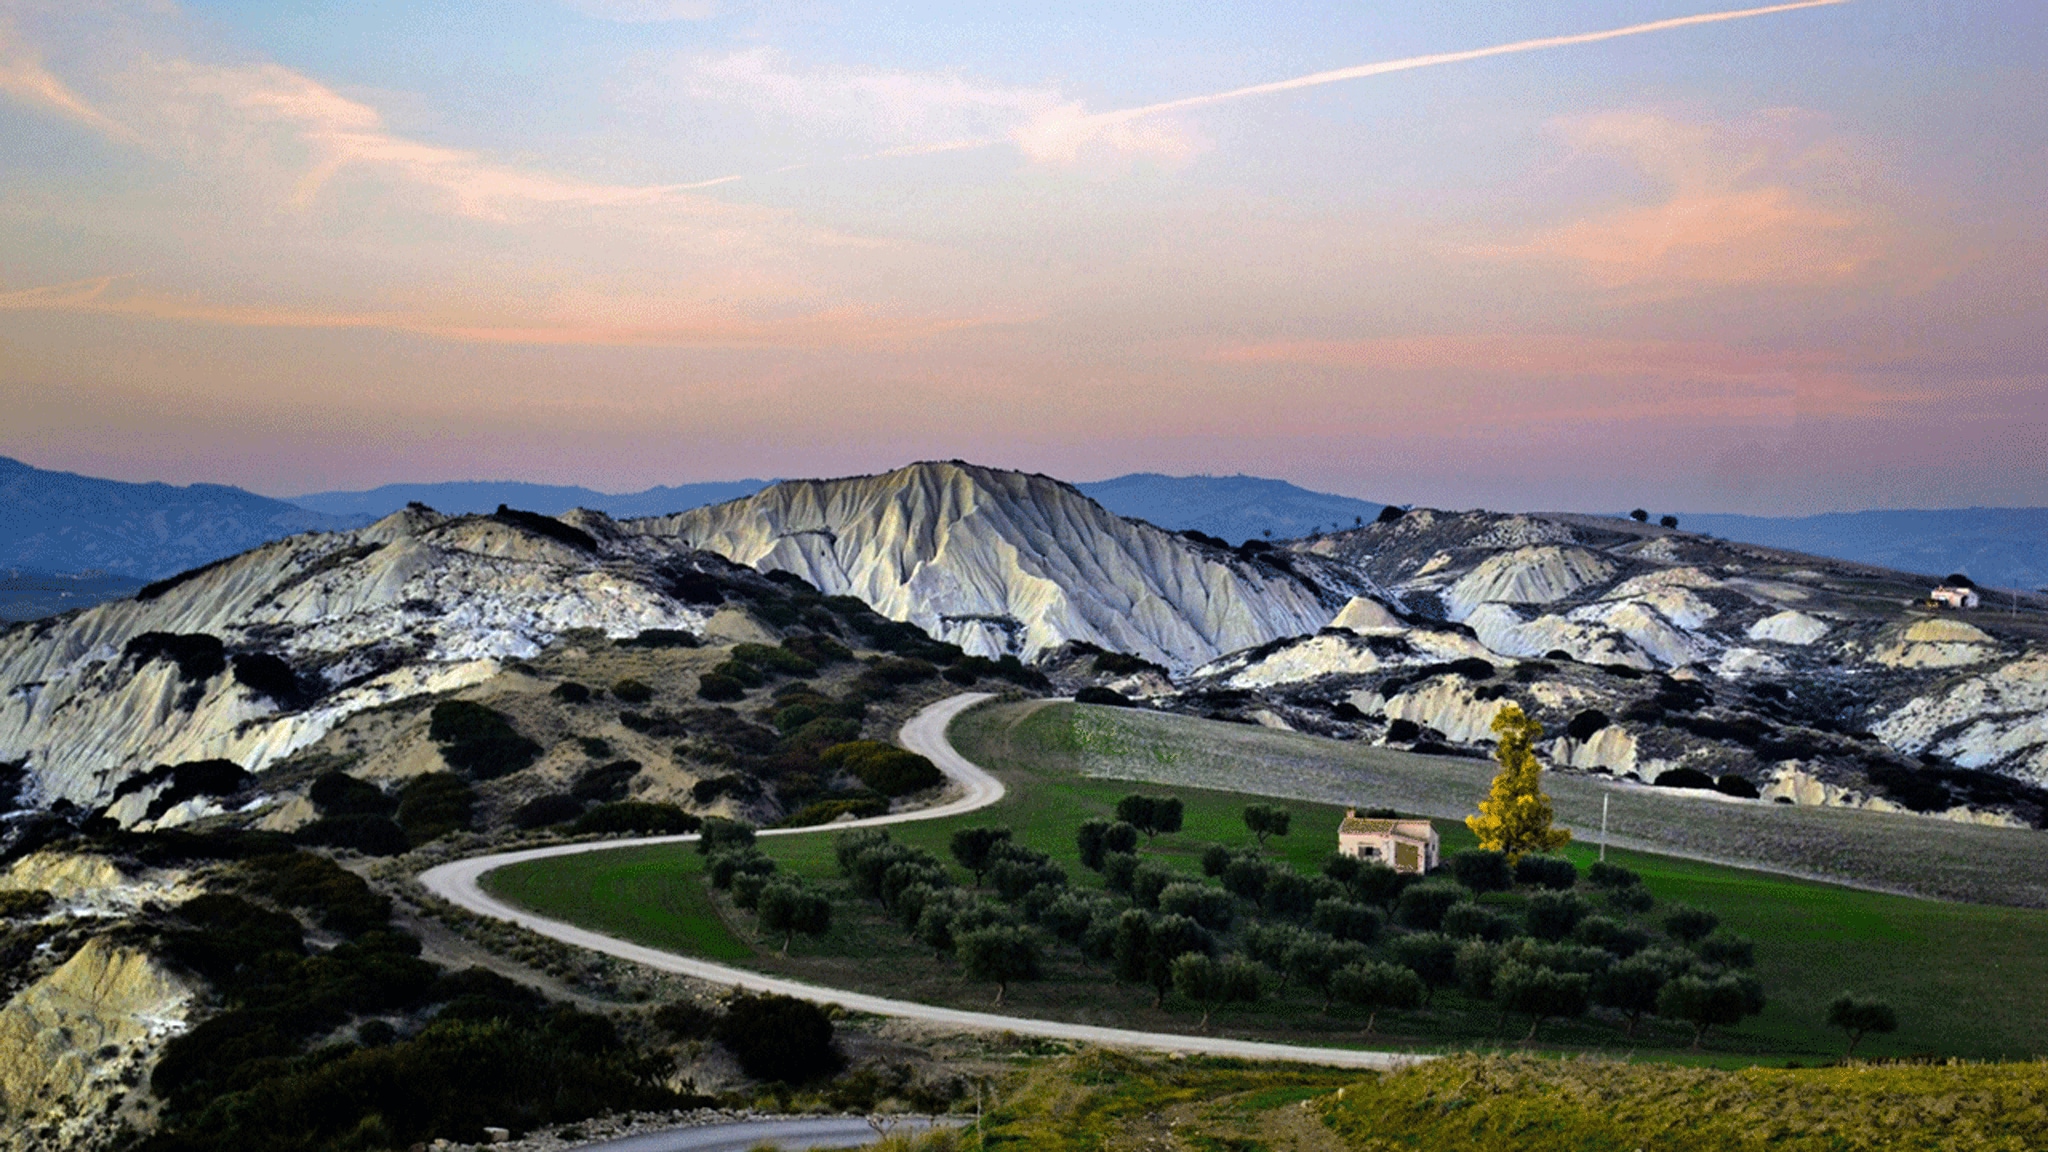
<point x="632" y="691"/>
<point x="433" y="805"/>
<point x="479" y="742"/>
<point x="339" y="794"/>
<point x="779" y="1038"/>
<point x="1481" y="871"/>
<point x="370" y="835"/>
<point x="541" y="811"/>
<point x="1423" y="906"/>
<point x="887" y="769"/>
<point x="719" y="688"/>
<point x="637" y="817"/>
<point x="1552" y="872"/>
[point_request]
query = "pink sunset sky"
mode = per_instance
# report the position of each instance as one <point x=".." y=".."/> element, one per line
<point x="1778" y="261"/>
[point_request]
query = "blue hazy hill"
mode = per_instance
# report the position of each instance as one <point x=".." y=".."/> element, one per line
<point x="65" y="523"/>
<point x="1236" y="508"/>
<point x="466" y="496"/>
<point x="1998" y="547"/>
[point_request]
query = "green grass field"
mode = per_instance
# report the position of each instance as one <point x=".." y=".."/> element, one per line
<point x="1965" y="978"/>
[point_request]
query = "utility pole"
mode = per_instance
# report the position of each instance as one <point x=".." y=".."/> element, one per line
<point x="1603" y="828"/>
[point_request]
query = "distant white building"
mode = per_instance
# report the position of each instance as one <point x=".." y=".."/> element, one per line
<point x="1403" y="845"/>
<point x="1953" y="595"/>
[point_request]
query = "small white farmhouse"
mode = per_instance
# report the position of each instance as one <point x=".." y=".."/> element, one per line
<point x="1403" y="845"/>
<point x="1956" y="596"/>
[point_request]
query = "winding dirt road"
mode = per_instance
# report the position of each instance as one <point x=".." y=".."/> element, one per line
<point x="459" y="883"/>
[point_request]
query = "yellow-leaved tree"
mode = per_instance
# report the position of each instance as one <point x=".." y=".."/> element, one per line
<point x="1515" y="816"/>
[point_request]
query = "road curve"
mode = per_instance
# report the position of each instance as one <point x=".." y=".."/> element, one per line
<point x="459" y="883"/>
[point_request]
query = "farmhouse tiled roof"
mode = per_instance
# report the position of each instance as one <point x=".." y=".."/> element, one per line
<point x="1370" y="826"/>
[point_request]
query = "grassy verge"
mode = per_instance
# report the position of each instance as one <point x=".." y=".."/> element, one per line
<point x="1964" y="977"/>
<point x="1108" y="1101"/>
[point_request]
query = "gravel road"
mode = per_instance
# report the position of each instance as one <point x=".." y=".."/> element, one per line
<point x="458" y="882"/>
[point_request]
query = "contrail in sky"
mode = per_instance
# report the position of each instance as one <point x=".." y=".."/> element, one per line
<point x="1362" y="71"/>
<point x="1063" y="133"/>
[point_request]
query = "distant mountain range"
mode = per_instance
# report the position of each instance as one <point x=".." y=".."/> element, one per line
<point x="1235" y="508"/>
<point x="30" y="595"/>
<point x="466" y="496"/>
<point x="1997" y="547"/>
<point x="62" y="522"/>
<point x="60" y="525"/>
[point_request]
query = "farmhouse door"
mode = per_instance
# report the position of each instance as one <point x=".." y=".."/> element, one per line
<point x="1407" y="858"/>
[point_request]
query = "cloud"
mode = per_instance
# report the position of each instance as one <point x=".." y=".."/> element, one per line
<point x="645" y="11"/>
<point x="297" y="122"/>
<point x="23" y="78"/>
<point x="587" y="322"/>
<point x="1736" y="205"/>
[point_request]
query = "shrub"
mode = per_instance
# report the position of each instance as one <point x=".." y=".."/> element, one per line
<point x="1475" y="965"/>
<point x="1631" y="988"/>
<point x="479" y="742"/>
<point x="605" y="783"/>
<point x="1477" y="920"/>
<point x="1348" y="921"/>
<point x="370" y="835"/>
<point x="1633" y="899"/>
<point x="1552" y="915"/>
<point x="722" y="835"/>
<point x="1423" y="906"/>
<point x="1108" y="697"/>
<point x="433" y="805"/>
<point x="1612" y="936"/>
<point x="1586" y="725"/>
<point x="974" y="848"/>
<point x="662" y="638"/>
<point x="1728" y="950"/>
<point x="1431" y="956"/>
<point x="726" y="866"/>
<point x="1690" y="925"/>
<point x="1611" y="876"/>
<point x="1145" y="947"/>
<point x="271" y="676"/>
<point x="1215" y="858"/>
<point x="635" y="816"/>
<point x="542" y="811"/>
<point x="1553" y="872"/>
<point x="339" y="794"/>
<point x="1733" y="785"/>
<point x="22" y="904"/>
<point x="887" y="769"/>
<point x="631" y="691"/>
<point x="197" y="655"/>
<point x="1212" y="908"/>
<point x="1706" y="1003"/>
<point x="1684" y="778"/>
<point x="1118" y="870"/>
<point x="570" y="692"/>
<point x="1151" y="815"/>
<point x="1481" y="871"/>
<point x="779" y="1038"/>
<point x="1096" y="839"/>
<point x="719" y="688"/>
<point x="1540" y="993"/>
<point x="686" y="1020"/>
<point x="1668" y="521"/>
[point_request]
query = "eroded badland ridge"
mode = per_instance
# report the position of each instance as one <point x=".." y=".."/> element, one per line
<point x="431" y="676"/>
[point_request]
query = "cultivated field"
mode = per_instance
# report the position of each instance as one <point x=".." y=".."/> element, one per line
<point x="1912" y="854"/>
<point x="1965" y="978"/>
